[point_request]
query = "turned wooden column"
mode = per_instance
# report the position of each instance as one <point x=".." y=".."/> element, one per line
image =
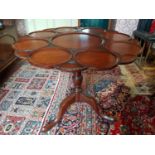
<point x="77" y="80"/>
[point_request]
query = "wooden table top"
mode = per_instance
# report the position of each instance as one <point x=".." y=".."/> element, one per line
<point x="77" y="40"/>
<point x="49" y="57"/>
<point x="127" y="51"/>
<point x="77" y="50"/>
<point x="99" y="59"/>
<point x="25" y="46"/>
<point x="94" y="30"/>
<point x="115" y="36"/>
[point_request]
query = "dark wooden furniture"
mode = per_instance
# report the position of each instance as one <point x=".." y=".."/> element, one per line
<point x="77" y="40"/>
<point x="116" y="36"/>
<point x="49" y="57"/>
<point x="25" y="46"/>
<point x="95" y="30"/>
<point x="128" y="51"/>
<point x="107" y="35"/>
<point x="75" y="52"/>
<point x="8" y="36"/>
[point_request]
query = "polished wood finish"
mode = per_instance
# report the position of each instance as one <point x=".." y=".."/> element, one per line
<point x="133" y="41"/>
<point x="71" y="66"/>
<point x="115" y="36"/>
<point x="26" y="37"/>
<point x="78" y="96"/>
<point x="126" y="50"/>
<point x="24" y="47"/>
<point x="77" y="40"/>
<point x="75" y="52"/>
<point x="94" y="30"/>
<point x="130" y="41"/>
<point x="107" y="35"/>
<point x="67" y="102"/>
<point x="49" y="57"/>
<point x="99" y="59"/>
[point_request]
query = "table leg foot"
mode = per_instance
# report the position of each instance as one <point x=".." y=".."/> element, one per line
<point x="92" y="102"/>
<point x="63" y="107"/>
<point x="76" y="97"/>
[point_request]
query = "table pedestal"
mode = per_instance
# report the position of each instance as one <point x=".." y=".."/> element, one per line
<point x="77" y="96"/>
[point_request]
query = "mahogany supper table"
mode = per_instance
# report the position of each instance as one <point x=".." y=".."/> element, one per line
<point x="75" y="49"/>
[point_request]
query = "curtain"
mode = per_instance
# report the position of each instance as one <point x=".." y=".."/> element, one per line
<point x="20" y="26"/>
<point x="126" y="26"/>
<point x="39" y="24"/>
<point x="102" y="23"/>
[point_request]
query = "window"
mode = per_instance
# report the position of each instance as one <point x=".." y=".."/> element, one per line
<point x="39" y="24"/>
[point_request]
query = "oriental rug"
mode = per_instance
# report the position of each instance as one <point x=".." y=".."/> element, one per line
<point x="32" y="96"/>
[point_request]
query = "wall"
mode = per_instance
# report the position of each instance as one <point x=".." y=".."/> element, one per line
<point x="126" y="26"/>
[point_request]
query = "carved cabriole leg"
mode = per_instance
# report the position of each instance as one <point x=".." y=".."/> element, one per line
<point x="77" y="78"/>
<point x="63" y="107"/>
<point x="77" y="96"/>
<point x="92" y="102"/>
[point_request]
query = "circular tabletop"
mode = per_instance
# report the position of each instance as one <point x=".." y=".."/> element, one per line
<point x="25" y="46"/>
<point x="77" y="40"/>
<point x="49" y="57"/>
<point x="115" y="36"/>
<point x="96" y="58"/>
<point x="127" y="51"/>
<point x="76" y="50"/>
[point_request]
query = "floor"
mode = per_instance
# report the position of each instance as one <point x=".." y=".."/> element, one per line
<point x="30" y="96"/>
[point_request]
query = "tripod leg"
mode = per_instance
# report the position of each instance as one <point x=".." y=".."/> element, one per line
<point x="63" y="107"/>
<point x="92" y="102"/>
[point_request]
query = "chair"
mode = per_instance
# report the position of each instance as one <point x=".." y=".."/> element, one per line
<point x="147" y="41"/>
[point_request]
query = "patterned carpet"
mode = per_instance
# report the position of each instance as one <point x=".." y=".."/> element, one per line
<point x="31" y="97"/>
<point x="139" y="82"/>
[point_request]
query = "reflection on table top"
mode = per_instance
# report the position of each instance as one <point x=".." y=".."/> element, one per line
<point x="77" y="49"/>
